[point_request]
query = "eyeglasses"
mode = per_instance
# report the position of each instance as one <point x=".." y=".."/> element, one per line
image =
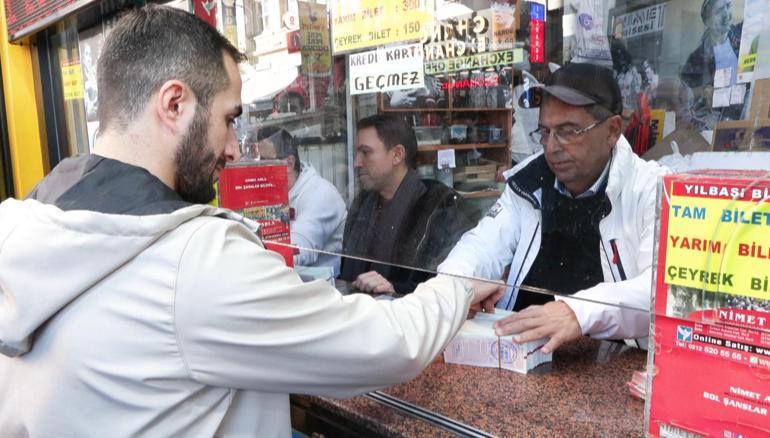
<point x="563" y="136"/>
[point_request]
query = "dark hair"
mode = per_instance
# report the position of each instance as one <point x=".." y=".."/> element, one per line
<point x="150" y="46"/>
<point x="392" y="131"/>
<point x="283" y="141"/>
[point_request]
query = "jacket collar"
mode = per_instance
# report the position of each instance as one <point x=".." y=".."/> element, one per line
<point x="528" y="177"/>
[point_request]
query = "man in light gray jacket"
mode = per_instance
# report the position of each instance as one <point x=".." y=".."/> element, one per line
<point x="128" y="307"/>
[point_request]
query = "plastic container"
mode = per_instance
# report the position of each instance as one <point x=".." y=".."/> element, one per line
<point x="428" y="135"/>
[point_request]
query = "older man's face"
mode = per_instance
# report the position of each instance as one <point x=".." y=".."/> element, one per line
<point x="580" y="163"/>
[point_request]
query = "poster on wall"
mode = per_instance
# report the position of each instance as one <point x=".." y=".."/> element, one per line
<point x="635" y="47"/>
<point x="590" y="43"/>
<point x="388" y="69"/>
<point x="367" y="23"/>
<point x="710" y="73"/>
<point x="314" y="39"/>
<point x="711" y="350"/>
<point x="260" y="191"/>
<point x="754" y="14"/>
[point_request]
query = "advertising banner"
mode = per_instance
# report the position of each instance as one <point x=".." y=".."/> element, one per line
<point x="362" y="24"/>
<point x="711" y="329"/>
<point x="71" y="80"/>
<point x="717" y="233"/>
<point x="710" y="380"/>
<point x="314" y="39"/>
<point x="537" y="32"/>
<point x="260" y="191"/>
<point x="390" y="69"/>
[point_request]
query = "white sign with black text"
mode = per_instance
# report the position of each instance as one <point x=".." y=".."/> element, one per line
<point x="387" y="69"/>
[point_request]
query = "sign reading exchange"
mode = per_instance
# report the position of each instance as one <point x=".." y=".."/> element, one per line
<point x="479" y="60"/>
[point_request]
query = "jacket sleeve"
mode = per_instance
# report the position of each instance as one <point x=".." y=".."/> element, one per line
<point x="487" y="249"/>
<point x="319" y="215"/>
<point x="244" y="320"/>
<point x="628" y="313"/>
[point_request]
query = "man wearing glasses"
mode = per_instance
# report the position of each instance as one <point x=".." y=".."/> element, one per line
<point x="575" y="222"/>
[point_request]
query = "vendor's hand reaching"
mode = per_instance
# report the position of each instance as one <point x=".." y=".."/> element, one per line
<point x="485" y="295"/>
<point x="373" y="282"/>
<point x="554" y="320"/>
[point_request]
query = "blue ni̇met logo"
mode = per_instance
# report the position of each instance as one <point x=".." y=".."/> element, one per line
<point x="684" y="333"/>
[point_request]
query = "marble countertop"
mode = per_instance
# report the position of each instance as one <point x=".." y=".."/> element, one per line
<point x="582" y="393"/>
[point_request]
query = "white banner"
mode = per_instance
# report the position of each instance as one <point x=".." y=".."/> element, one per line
<point x="388" y="69"/>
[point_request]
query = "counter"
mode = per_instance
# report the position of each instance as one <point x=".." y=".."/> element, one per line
<point x="582" y="393"/>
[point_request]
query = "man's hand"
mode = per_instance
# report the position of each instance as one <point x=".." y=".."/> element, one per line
<point x="373" y="282"/>
<point x="554" y="320"/>
<point x="485" y="295"/>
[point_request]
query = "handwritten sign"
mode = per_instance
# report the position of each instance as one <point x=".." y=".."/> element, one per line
<point x="394" y="68"/>
<point x="367" y="23"/>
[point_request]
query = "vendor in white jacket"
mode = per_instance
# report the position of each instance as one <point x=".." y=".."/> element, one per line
<point x="319" y="211"/>
<point x="129" y="307"/>
<point x="576" y="221"/>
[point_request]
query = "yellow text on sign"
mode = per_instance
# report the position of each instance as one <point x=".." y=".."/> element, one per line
<point x="368" y="23"/>
<point x="719" y="245"/>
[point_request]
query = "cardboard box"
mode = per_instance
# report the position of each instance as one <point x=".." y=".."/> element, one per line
<point x="760" y="99"/>
<point x="476" y="344"/>
<point x="742" y="135"/>
<point x="485" y="171"/>
<point x="709" y="361"/>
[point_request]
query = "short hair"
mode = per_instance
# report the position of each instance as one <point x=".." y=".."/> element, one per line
<point x="150" y="46"/>
<point x="393" y="130"/>
<point x="283" y="141"/>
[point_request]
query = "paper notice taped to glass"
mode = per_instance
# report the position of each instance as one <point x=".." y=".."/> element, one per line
<point x="477" y="344"/>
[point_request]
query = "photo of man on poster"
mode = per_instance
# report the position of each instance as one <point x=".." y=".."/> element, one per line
<point x="716" y="54"/>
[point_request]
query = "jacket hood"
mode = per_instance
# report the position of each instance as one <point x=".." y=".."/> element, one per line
<point x="72" y="250"/>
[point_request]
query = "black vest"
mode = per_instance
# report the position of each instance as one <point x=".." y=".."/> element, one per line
<point x="569" y="258"/>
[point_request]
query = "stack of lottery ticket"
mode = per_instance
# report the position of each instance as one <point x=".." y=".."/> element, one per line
<point x="477" y="344"/>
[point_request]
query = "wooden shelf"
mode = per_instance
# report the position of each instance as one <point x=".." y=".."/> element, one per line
<point x="438" y="147"/>
<point x="431" y="110"/>
<point x="491" y="193"/>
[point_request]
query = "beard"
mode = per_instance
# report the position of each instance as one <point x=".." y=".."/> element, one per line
<point x="195" y="163"/>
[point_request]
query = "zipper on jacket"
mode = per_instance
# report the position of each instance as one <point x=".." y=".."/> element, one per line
<point x="616" y="259"/>
<point x="609" y="262"/>
<point x="521" y="267"/>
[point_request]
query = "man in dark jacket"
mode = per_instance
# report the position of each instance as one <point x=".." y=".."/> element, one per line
<point x="717" y="50"/>
<point x="398" y="219"/>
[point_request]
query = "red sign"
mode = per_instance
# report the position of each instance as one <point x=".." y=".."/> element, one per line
<point x="536" y="32"/>
<point x="25" y="17"/>
<point x="483" y="82"/>
<point x="261" y="192"/>
<point x="206" y="10"/>
<point x="710" y="349"/>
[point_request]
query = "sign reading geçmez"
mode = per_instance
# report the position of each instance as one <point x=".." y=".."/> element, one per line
<point x="390" y="69"/>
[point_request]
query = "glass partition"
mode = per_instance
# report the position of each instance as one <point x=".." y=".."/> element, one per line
<point x="416" y="140"/>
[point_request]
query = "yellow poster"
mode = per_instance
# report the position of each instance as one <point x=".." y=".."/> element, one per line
<point x="358" y="24"/>
<point x="314" y="38"/>
<point x="717" y="243"/>
<point x="71" y="81"/>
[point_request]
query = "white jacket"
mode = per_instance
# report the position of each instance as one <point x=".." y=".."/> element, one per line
<point x="181" y="324"/>
<point x="319" y="219"/>
<point x="510" y="234"/>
